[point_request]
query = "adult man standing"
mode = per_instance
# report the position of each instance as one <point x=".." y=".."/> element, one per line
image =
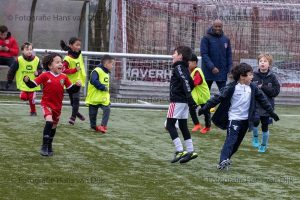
<point x="8" y="47"/>
<point x="216" y="55"/>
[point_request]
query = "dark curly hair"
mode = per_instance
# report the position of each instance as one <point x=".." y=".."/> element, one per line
<point x="48" y="59"/>
<point x="240" y="70"/>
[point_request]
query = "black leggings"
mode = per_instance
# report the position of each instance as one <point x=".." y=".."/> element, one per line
<point x="264" y="123"/>
<point x="195" y="119"/>
<point x="182" y="126"/>
<point x="74" y="100"/>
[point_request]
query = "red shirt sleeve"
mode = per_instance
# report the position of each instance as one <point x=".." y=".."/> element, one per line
<point x="68" y="83"/>
<point x="66" y="68"/>
<point x="197" y="79"/>
<point x="14" y="49"/>
<point x="41" y="79"/>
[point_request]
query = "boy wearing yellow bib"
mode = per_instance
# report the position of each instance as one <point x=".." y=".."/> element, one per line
<point x="75" y="70"/>
<point x="200" y="94"/>
<point x="26" y="65"/>
<point x="98" y="93"/>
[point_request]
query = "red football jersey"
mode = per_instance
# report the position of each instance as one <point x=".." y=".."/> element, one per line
<point x="53" y="88"/>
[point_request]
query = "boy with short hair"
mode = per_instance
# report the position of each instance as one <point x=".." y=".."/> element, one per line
<point x="26" y="65"/>
<point x="268" y="83"/>
<point x="181" y="86"/>
<point x="200" y="94"/>
<point x="236" y="110"/>
<point x="98" y="93"/>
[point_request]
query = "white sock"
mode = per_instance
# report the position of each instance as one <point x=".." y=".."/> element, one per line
<point x="178" y="144"/>
<point x="189" y="145"/>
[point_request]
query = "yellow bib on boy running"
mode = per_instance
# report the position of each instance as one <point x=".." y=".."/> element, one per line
<point x="95" y="96"/>
<point x="26" y="68"/>
<point x="79" y="75"/>
<point x="201" y="92"/>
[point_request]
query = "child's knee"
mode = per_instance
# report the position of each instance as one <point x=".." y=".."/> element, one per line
<point x="23" y="96"/>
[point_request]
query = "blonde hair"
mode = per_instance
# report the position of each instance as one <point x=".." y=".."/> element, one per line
<point x="266" y="56"/>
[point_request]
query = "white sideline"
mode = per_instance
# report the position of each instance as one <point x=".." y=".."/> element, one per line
<point x="5" y="103"/>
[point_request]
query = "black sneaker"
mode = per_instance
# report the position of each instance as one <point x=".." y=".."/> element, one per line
<point x="224" y="164"/>
<point x="178" y="155"/>
<point x="189" y="156"/>
<point x="33" y="114"/>
<point x="44" y="150"/>
<point x="50" y="150"/>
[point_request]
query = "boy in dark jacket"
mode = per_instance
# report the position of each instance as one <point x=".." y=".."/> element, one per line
<point x="181" y="86"/>
<point x="236" y="110"/>
<point x="268" y="83"/>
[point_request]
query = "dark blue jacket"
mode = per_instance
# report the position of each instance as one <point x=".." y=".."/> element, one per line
<point x="95" y="79"/>
<point x="220" y="118"/>
<point x="215" y="52"/>
<point x="181" y="83"/>
<point x="270" y="87"/>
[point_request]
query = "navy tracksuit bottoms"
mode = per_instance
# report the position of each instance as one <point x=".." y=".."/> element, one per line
<point x="236" y="132"/>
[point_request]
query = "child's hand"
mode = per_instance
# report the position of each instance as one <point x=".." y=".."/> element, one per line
<point x="26" y="79"/>
<point x="77" y="68"/>
<point x="78" y="83"/>
<point x="259" y="86"/>
<point x="36" y="73"/>
<point x="200" y="112"/>
<point x="4" y="48"/>
<point x="274" y="116"/>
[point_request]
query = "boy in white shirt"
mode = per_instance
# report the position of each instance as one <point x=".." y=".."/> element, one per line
<point x="236" y="110"/>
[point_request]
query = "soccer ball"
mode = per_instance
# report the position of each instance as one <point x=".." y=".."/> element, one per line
<point x="176" y="124"/>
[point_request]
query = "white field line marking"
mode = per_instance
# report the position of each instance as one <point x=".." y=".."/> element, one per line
<point x="84" y="107"/>
<point x="22" y="104"/>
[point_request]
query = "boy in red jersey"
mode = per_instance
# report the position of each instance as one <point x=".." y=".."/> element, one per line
<point x="53" y="92"/>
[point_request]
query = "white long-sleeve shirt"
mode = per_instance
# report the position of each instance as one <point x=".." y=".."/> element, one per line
<point x="240" y="102"/>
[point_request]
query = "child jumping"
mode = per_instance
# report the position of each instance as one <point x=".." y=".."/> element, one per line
<point x="200" y="94"/>
<point x="98" y="93"/>
<point x="53" y="82"/>
<point x="236" y="110"/>
<point x="75" y="70"/>
<point x="268" y="83"/>
<point x="181" y="86"/>
<point x="26" y="65"/>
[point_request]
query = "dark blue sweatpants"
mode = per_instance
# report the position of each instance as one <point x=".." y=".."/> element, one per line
<point x="236" y="132"/>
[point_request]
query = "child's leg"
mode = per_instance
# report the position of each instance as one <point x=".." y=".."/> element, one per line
<point x="74" y="100"/>
<point x="231" y="139"/>
<point x="207" y="118"/>
<point x="186" y="135"/>
<point x="47" y="130"/>
<point x="23" y="96"/>
<point x="75" y="103"/>
<point x="31" y="99"/>
<point x="193" y="114"/>
<point x="52" y="134"/>
<point x="71" y="98"/>
<point x="174" y="134"/>
<point x="265" y="133"/>
<point x="243" y="130"/>
<point x="93" y="111"/>
<point x="255" y="141"/>
<point x="105" y="115"/>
